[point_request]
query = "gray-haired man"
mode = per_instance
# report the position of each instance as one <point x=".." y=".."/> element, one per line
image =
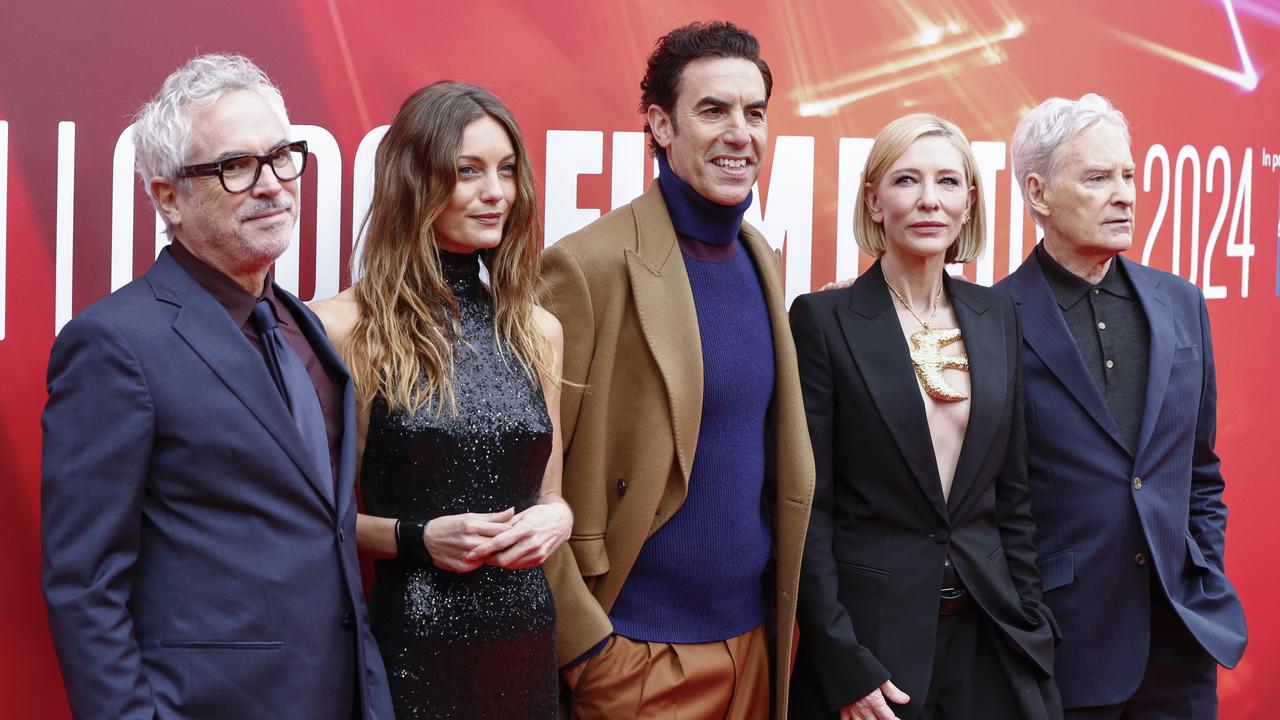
<point x="199" y="447"/>
<point x="1121" y="419"/>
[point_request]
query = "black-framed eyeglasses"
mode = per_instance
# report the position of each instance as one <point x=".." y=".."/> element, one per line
<point x="238" y="173"/>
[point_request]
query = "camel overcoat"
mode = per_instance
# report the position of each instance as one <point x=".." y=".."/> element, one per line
<point x="631" y="413"/>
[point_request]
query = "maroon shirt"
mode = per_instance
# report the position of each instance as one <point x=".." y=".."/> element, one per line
<point x="239" y="305"/>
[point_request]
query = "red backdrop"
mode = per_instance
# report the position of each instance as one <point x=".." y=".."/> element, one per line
<point x="1197" y="79"/>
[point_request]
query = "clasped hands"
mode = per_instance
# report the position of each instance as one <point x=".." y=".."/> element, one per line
<point x="506" y="539"/>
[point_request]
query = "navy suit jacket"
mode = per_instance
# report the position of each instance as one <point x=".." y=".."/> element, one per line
<point x="194" y="564"/>
<point x="1106" y="517"/>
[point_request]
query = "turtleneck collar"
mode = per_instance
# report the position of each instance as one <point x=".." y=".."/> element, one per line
<point x="461" y="270"/>
<point x="695" y="216"/>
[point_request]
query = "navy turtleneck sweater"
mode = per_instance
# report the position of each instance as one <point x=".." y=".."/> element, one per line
<point x="699" y="578"/>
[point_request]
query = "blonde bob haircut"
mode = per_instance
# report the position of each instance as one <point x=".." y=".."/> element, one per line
<point x="891" y="144"/>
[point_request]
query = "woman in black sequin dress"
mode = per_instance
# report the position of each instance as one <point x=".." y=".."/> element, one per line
<point x="458" y="382"/>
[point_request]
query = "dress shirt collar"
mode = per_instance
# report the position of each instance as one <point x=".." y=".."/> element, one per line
<point x="233" y="298"/>
<point x="1069" y="288"/>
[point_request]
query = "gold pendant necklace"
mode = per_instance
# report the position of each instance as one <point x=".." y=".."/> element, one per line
<point x="926" y="352"/>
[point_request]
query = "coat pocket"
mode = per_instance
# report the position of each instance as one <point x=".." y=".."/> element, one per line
<point x="1198" y="559"/>
<point x="222" y="644"/>
<point x="1057" y="569"/>
<point x="866" y="570"/>
<point x="590" y="553"/>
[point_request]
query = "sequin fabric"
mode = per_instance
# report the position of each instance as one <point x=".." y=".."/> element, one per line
<point x="472" y="645"/>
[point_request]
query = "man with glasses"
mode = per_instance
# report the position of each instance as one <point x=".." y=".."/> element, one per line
<point x="198" y="509"/>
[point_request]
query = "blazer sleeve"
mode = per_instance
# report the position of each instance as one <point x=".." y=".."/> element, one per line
<point x="98" y="435"/>
<point x="1013" y="490"/>
<point x="846" y="670"/>
<point x="581" y="622"/>
<point x="1208" y="513"/>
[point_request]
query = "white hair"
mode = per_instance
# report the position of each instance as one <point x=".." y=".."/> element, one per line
<point x="1049" y="126"/>
<point x="162" y="128"/>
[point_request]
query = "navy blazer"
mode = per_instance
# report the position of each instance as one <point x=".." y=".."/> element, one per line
<point x="881" y="529"/>
<point x="194" y="565"/>
<point x="1106" y="517"/>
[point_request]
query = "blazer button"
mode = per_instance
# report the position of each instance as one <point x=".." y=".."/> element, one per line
<point x="1140" y="559"/>
<point x="349" y="620"/>
<point x="622" y="487"/>
<point x="941" y="536"/>
<point x="342" y="536"/>
<point x="1137" y="483"/>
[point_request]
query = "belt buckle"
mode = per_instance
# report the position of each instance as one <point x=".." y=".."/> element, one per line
<point x="953" y="601"/>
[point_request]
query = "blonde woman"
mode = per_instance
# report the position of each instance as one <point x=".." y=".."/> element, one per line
<point x="458" y="385"/>
<point x="919" y="594"/>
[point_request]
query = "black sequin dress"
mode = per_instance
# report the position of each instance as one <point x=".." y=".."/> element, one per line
<point x="480" y="644"/>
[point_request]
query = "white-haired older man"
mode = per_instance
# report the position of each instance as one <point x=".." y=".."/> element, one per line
<point x="1121" y="417"/>
<point x="199" y="449"/>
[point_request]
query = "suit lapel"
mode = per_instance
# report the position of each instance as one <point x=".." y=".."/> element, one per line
<point x="1155" y="304"/>
<point x="1046" y="333"/>
<point x="874" y="336"/>
<point x="984" y="343"/>
<point x="206" y="327"/>
<point x="664" y="303"/>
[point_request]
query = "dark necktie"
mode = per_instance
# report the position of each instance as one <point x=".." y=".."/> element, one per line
<point x="296" y="388"/>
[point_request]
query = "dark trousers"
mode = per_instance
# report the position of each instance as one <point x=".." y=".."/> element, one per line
<point x="1181" y="680"/>
<point x="969" y="679"/>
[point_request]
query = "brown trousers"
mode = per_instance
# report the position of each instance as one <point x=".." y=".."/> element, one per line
<point x="723" y="680"/>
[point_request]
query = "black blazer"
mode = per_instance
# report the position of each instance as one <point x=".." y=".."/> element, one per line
<point x="880" y="529"/>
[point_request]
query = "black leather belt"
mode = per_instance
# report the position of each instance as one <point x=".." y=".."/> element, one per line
<point x="954" y="599"/>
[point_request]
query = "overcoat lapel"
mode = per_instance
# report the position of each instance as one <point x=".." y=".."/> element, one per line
<point x="1046" y="333"/>
<point x="1155" y="304"/>
<point x="984" y="343"/>
<point x="664" y="302"/>
<point x="874" y="336"/>
<point x="210" y="332"/>
<point x="763" y="257"/>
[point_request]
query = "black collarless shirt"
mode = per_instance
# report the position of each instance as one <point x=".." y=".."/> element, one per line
<point x="1111" y="331"/>
<point x="239" y="305"/>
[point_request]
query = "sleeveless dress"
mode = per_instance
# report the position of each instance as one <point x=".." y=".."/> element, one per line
<point x="470" y="645"/>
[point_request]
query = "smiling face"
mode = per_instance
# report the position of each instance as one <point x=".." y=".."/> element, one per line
<point x="717" y="134"/>
<point x="484" y="192"/>
<point x="240" y="234"/>
<point x="923" y="199"/>
<point x="1086" y="207"/>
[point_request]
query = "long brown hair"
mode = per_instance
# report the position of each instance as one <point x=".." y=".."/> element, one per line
<point x="402" y="346"/>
